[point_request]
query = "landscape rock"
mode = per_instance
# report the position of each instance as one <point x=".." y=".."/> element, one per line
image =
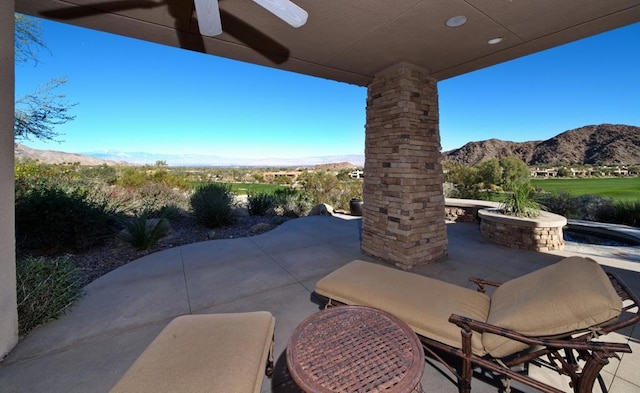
<point x="261" y="226"/>
<point x="321" y="210"/>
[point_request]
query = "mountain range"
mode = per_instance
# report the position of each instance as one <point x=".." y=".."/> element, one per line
<point x="593" y="144"/>
<point x="112" y="157"/>
<point x="604" y="143"/>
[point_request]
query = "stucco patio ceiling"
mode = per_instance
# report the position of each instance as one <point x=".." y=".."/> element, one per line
<point x="351" y="40"/>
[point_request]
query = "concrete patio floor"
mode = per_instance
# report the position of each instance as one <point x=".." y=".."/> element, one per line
<point x="89" y="348"/>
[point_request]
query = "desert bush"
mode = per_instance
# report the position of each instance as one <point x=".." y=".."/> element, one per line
<point x="138" y="176"/>
<point x="592" y="206"/>
<point x="290" y="203"/>
<point x="102" y="174"/>
<point x="586" y="207"/>
<point x="50" y="221"/>
<point x="31" y="175"/>
<point x="154" y="197"/>
<point x="620" y="212"/>
<point x="561" y="203"/>
<point x="46" y="288"/>
<point x="324" y="187"/>
<point x="151" y="198"/>
<point x="143" y="232"/>
<point x="212" y="205"/>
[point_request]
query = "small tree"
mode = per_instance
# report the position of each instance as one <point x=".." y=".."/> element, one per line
<point x="514" y="170"/>
<point x="37" y="114"/>
<point x="489" y="173"/>
<point x="28" y="39"/>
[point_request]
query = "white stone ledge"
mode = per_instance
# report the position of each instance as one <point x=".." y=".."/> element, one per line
<point x="544" y="220"/>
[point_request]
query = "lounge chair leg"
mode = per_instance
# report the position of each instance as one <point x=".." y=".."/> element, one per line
<point x="467" y="371"/>
<point x="591" y="372"/>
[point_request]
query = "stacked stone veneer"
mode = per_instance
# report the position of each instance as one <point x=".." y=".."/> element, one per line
<point x="542" y="234"/>
<point x="403" y="217"/>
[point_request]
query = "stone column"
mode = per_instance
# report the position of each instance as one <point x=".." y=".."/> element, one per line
<point x="403" y="217"/>
<point x="8" y="310"/>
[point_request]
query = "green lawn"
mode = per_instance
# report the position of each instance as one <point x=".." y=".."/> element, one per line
<point x="619" y="188"/>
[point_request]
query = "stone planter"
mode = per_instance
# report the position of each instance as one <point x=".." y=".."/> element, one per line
<point x="543" y="233"/>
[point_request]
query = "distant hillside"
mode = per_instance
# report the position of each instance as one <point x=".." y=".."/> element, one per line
<point x="604" y="143"/>
<point x="185" y="160"/>
<point x="335" y="166"/>
<point x="23" y="153"/>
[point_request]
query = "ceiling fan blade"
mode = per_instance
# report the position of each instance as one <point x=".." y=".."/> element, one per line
<point x="208" y="15"/>
<point x="285" y="10"/>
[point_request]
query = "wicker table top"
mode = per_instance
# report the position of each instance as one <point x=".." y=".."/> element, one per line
<point x="355" y="349"/>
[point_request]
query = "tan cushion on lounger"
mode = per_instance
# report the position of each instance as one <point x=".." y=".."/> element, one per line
<point x="204" y="353"/>
<point x="423" y="303"/>
<point x="568" y="296"/>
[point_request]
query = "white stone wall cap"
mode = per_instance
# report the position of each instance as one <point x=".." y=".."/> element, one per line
<point x="545" y="219"/>
<point x="455" y="202"/>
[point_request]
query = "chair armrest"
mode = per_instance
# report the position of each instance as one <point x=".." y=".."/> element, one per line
<point x="481" y="283"/>
<point x="467" y="324"/>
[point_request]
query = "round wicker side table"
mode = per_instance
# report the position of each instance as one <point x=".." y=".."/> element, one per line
<point x="355" y="349"/>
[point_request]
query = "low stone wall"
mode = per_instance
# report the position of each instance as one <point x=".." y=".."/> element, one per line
<point x="543" y="233"/>
<point x="465" y="210"/>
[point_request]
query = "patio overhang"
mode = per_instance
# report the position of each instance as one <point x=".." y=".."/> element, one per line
<point x="351" y="41"/>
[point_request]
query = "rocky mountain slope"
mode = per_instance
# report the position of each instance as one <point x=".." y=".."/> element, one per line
<point x="604" y="143"/>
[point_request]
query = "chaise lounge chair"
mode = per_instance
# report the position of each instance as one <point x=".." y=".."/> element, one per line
<point x="551" y="317"/>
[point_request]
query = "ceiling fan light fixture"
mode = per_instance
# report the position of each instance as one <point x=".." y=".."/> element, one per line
<point x="456" y="21"/>
<point x="495" y="41"/>
<point x="285" y="10"/>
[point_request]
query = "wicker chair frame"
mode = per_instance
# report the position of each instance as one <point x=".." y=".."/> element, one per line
<point x="576" y="355"/>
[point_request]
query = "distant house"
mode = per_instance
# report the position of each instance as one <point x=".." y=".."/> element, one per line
<point x="357" y="174"/>
<point x="544" y="173"/>
<point x="621" y="171"/>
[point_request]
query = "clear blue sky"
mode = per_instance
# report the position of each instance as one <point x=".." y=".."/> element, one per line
<point x="136" y="96"/>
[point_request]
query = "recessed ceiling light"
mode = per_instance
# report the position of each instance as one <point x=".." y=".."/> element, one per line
<point x="494" y="41"/>
<point x="456" y="21"/>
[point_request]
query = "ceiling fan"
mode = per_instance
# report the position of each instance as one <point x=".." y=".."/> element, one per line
<point x="210" y="24"/>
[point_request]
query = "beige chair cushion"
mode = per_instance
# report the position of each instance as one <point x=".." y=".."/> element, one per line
<point x="423" y="303"/>
<point x="204" y="353"/>
<point x="568" y="296"/>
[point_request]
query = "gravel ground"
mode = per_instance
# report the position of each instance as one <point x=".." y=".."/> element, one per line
<point x="185" y="230"/>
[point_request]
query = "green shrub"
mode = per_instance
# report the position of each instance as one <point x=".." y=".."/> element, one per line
<point x="260" y="203"/>
<point x="46" y="288"/>
<point x="620" y="212"/>
<point x="137" y="176"/>
<point x="581" y="207"/>
<point x="212" y="205"/>
<point x="142" y="232"/>
<point x="519" y="200"/>
<point x="31" y="175"/>
<point x="50" y="221"/>
<point x="561" y="203"/>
